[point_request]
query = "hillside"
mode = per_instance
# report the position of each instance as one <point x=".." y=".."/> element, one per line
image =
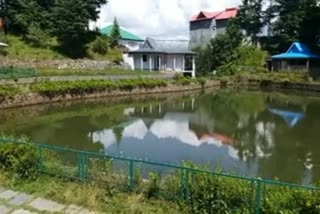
<point x="20" y="49"/>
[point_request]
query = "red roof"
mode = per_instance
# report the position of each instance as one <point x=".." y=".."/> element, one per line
<point x="220" y="15"/>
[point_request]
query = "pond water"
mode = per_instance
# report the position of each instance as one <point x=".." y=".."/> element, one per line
<point x="254" y="133"/>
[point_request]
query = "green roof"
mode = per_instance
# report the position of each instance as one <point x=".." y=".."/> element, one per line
<point x="125" y="35"/>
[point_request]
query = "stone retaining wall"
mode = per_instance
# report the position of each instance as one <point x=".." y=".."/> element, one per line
<point x="61" y="64"/>
<point x="34" y="98"/>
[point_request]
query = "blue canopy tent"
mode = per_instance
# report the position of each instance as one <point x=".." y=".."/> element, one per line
<point x="297" y="57"/>
<point x="292" y="118"/>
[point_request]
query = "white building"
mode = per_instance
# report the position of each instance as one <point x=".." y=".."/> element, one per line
<point x="164" y="55"/>
<point x="129" y="40"/>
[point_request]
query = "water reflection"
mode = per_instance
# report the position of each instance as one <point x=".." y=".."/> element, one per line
<point x="267" y="134"/>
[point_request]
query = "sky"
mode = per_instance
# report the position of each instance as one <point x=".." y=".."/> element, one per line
<point x="158" y="18"/>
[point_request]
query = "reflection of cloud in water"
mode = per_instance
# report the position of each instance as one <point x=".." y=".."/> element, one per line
<point x="172" y="126"/>
<point x="106" y="137"/>
<point x="171" y="140"/>
<point x="137" y="130"/>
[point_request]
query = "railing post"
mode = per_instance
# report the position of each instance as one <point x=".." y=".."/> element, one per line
<point x="40" y="164"/>
<point x="264" y="194"/>
<point x="85" y="166"/>
<point x="131" y="175"/>
<point x="258" y="194"/>
<point x="80" y="166"/>
<point x="181" y="185"/>
<point x="187" y="193"/>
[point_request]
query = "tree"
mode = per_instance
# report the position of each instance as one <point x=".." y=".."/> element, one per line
<point x="221" y="49"/>
<point x="115" y="34"/>
<point x="290" y="15"/>
<point x="70" y="20"/>
<point x="310" y="25"/>
<point x="251" y="18"/>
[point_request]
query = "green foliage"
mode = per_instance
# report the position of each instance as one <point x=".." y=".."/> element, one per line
<point x="153" y="186"/>
<point x="251" y="18"/>
<point x="100" y="45"/>
<point x="220" y="51"/>
<point x="115" y="34"/>
<point x="37" y="37"/>
<point x="250" y="56"/>
<point x="46" y="72"/>
<point x="67" y="20"/>
<point x="22" y="159"/>
<point x="9" y="90"/>
<point x="52" y="89"/>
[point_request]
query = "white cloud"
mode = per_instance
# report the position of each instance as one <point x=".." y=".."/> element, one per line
<point x="158" y="18"/>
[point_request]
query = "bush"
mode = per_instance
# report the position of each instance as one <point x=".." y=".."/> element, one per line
<point x="250" y="56"/>
<point x="52" y="89"/>
<point x="37" y="37"/>
<point x="153" y="186"/>
<point x="9" y="90"/>
<point x="228" y="69"/>
<point x="100" y="45"/>
<point x="21" y="159"/>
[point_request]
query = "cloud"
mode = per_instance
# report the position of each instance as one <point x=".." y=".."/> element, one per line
<point x="158" y="18"/>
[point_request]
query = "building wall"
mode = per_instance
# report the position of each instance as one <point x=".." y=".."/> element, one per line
<point x="131" y="45"/>
<point x="221" y="26"/>
<point x="128" y="59"/>
<point x="201" y="32"/>
<point x="179" y="59"/>
<point x="167" y="62"/>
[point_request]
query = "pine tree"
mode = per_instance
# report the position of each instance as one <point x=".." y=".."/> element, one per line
<point x="70" y="20"/>
<point x="251" y="18"/>
<point x="290" y="15"/>
<point x="310" y="25"/>
<point x="115" y="34"/>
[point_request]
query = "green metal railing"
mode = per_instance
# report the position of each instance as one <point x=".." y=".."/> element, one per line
<point x="78" y="164"/>
<point x="8" y="73"/>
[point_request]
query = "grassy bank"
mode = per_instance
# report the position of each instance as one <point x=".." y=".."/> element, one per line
<point x="82" y="87"/>
<point x="194" y="189"/>
<point x="47" y="72"/>
<point x="89" y="195"/>
<point x="20" y="49"/>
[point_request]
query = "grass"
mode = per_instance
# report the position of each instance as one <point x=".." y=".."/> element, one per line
<point x="47" y="72"/>
<point x="19" y="49"/>
<point x="88" y="195"/>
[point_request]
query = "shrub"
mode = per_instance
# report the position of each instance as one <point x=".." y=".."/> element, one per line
<point x="52" y="89"/>
<point x="21" y="159"/>
<point x="153" y="186"/>
<point x="9" y="90"/>
<point x="37" y="37"/>
<point x="228" y="69"/>
<point x="100" y="45"/>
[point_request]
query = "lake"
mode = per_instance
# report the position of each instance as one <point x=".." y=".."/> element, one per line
<point x="255" y="133"/>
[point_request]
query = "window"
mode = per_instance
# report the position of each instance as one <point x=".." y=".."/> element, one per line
<point x="144" y="58"/>
<point x="188" y="63"/>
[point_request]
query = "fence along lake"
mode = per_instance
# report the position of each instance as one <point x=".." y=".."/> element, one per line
<point x="254" y="133"/>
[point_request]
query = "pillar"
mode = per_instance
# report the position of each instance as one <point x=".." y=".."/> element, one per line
<point x="193" y="67"/>
<point x="141" y="62"/>
<point x="150" y="62"/>
<point x="183" y="63"/>
<point x="159" y="63"/>
<point x="174" y="62"/>
<point x="308" y="64"/>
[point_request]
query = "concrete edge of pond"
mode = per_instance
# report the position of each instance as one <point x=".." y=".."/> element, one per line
<point x="35" y="98"/>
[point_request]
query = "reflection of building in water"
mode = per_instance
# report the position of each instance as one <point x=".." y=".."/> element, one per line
<point x="292" y="118"/>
